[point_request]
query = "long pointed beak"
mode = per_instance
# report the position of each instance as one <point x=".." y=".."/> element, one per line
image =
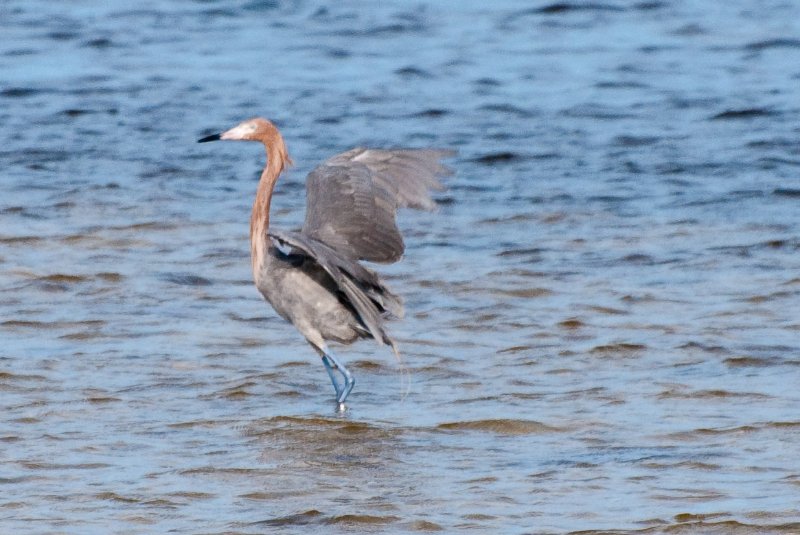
<point x="212" y="137"/>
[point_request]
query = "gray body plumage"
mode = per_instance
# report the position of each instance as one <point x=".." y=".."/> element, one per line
<point x="314" y="279"/>
<point x="302" y="292"/>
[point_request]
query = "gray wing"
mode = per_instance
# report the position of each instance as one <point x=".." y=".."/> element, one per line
<point x="352" y="198"/>
<point x="370" y="299"/>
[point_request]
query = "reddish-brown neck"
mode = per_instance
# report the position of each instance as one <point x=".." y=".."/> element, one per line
<point x="277" y="160"/>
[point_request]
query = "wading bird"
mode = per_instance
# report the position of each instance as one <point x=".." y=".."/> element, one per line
<point x="313" y="277"/>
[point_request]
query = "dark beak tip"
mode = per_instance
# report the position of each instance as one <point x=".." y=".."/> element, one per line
<point x="212" y="137"/>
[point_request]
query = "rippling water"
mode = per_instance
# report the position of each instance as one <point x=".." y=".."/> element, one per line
<point x="603" y="317"/>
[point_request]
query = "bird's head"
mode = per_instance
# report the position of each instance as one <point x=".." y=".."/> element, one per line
<point x="256" y="129"/>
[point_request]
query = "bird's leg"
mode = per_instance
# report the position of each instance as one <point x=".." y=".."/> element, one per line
<point x="349" y="381"/>
<point x="329" y="367"/>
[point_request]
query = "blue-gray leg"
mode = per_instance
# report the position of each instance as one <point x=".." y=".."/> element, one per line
<point x="332" y="363"/>
<point x="329" y="367"/>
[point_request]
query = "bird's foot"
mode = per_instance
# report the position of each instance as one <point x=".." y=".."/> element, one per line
<point x="340" y="407"/>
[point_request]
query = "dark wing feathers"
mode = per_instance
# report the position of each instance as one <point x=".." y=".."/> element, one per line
<point x="362" y="287"/>
<point x="351" y="215"/>
<point x="353" y="198"/>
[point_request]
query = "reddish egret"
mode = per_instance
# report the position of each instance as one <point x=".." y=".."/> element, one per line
<point x="312" y="277"/>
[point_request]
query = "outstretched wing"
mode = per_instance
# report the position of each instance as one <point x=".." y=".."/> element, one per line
<point x="370" y="299"/>
<point x="352" y="198"/>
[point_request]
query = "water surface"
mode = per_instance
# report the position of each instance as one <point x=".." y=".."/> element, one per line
<point x="602" y="317"/>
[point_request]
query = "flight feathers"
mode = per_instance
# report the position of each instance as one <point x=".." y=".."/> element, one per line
<point x="353" y="198"/>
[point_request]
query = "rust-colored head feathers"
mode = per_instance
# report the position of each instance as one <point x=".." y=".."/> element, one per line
<point x="260" y="129"/>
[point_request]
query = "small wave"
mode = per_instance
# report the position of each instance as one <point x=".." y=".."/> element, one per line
<point x="413" y="72"/>
<point x="51" y="324"/>
<point x="19" y="92"/>
<point x="109" y="276"/>
<point x="527" y="293"/>
<point x="311" y="516"/>
<point x="64" y="466"/>
<point x="431" y="113"/>
<point x="13" y="377"/>
<point x="236" y="392"/>
<point x="750" y="362"/>
<point x="99" y="43"/>
<point x="725" y="527"/>
<point x="425" y="525"/>
<point x="773" y="43"/>
<point x="639" y="259"/>
<point x="744" y="113"/>
<point x="521" y="252"/>
<point x="114" y="497"/>
<point x="786" y="192"/>
<point x="608" y="311"/>
<point x="20" y="240"/>
<point x="362" y="520"/>
<point x="62" y="277"/>
<point x="597" y="111"/>
<point x="689" y="465"/>
<point x="316" y="424"/>
<point x="569" y="7"/>
<point x="186" y="279"/>
<point x="621" y="347"/>
<point x="497" y="158"/>
<point x="571" y="323"/>
<point x="500" y="427"/>
<point x="315" y="517"/>
<point x="508" y="109"/>
<point x="635" y="141"/>
<point x="709" y="394"/>
<point x="515" y="349"/>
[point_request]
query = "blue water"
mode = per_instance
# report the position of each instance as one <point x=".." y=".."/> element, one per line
<point x="602" y="317"/>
